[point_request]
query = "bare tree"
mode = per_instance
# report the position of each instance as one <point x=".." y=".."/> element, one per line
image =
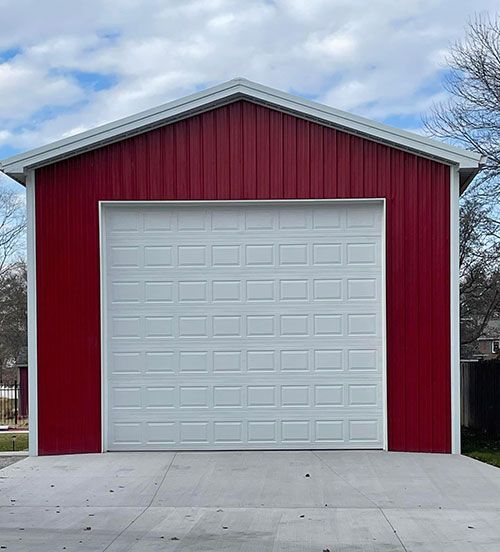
<point x="12" y="229"/>
<point x="471" y="118"/>
<point x="12" y="280"/>
<point x="479" y="270"/>
<point x="13" y="318"/>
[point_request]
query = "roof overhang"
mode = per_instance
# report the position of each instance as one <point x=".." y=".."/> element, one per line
<point x="17" y="166"/>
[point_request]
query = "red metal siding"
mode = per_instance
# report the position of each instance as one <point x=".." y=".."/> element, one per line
<point x="244" y="151"/>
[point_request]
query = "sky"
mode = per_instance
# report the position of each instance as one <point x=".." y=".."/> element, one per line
<point x="67" y="66"/>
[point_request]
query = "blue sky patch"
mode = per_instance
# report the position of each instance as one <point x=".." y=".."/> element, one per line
<point x="89" y="81"/>
<point x="10" y="53"/>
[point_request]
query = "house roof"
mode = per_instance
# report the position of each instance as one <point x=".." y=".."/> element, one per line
<point x="228" y="92"/>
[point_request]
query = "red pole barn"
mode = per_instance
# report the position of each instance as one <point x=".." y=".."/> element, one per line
<point x="243" y="269"/>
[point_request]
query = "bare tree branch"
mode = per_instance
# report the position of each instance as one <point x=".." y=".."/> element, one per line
<point x="470" y="117"/>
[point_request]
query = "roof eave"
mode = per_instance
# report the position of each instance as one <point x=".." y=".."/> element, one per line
<point x="18" y="165"/>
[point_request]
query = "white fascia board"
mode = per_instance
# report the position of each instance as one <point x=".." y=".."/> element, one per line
<point x="233" y="90"/>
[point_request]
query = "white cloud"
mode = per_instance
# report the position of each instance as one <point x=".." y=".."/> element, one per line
<point x="378" y="58"/>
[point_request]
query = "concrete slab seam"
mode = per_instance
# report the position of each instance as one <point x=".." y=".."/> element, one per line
<point x="364" y="496"/>
<point x="144" y="510"/>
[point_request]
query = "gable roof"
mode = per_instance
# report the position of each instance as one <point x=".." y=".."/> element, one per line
<point x="228" y="92"/>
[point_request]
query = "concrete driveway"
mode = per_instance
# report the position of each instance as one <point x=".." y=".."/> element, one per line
<point x="252" y="501"/>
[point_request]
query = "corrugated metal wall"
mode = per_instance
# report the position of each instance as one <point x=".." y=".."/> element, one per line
<point x="243" y="151"/>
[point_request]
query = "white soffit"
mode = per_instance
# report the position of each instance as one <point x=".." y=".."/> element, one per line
<point x="233" y="90"/>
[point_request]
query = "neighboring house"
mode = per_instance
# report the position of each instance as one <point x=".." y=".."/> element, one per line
<point x="243" y="269"/>
<point x="488" y="345"/>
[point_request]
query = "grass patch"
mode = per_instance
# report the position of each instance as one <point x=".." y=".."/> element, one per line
<point x="21" y="441"/>
<point x="481" y="447"/>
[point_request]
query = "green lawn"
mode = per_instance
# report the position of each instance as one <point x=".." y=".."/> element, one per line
<point x="481" y="447"/>
<point x="21" y="441"/>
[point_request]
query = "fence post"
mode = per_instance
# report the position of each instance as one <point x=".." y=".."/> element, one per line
<point x="15" y="401"/>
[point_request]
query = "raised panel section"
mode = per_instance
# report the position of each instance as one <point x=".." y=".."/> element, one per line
<point x="228" y="432"/>
<point x="327" y="290"/>
<point x="192" y="255"/>
<point x="123" y="220"/>
<point x="192" y="326"/>
<point x="260" y="290"/>
<point x="124" y="257"/>
<point x="226" y="290"/>
<point x="362" y="289"/>
<point x="160" y="361"/>
<point x="258" y="361"/>
<point x="161" y="433"/>
<point x="295" y="431"/>
<point x="292" y="361"/>
<point x="294" y="324"/>
<point x="293" y="254"/>
<point x="327" y="324"/>
<point x="329" y="431"/>
<point x="328" y="359"/>
<point x="125" y="292"/>
<point x="227" y="396"/>
<point x="361" y="253"/>
<point x="193" y="291"/>
<point x="227" y="326"/>
<point x="294" y="290"/>
<point x="125" y="327"/>
<point x="123" y="362"/>
<point x="362" y="324"/>
<point x="260" y="326"/>
<point x="158" y="292"/>
<point x="327" y="253"/>
<point x="227" y="361"/>
<point x="193" y="397"/>
<point x="262" y="431"/>
<point x="159" y="397"/>
<point x="193" y="361"/>
<point x="225" y="255"/>
<point x="259" y="255"/>
<point x="157" y="220"/>
<point x="158" y="327"/>
<point x="158" y="256"/>
<point x="295" y="395"/>
<point x="261" y="396"/>
<point x="329" y="395"/>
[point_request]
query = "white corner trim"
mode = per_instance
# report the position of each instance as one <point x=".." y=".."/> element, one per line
<point x="32" y="316"/>
<point x="455" y="310"/>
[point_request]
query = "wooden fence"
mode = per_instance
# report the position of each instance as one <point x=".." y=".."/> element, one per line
<point x="480" y="385"/>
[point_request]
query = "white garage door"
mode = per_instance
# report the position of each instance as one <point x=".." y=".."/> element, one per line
<point x="237" y="326"/>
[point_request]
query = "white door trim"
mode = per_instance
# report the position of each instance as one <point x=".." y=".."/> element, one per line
<point x="102" y="205"/>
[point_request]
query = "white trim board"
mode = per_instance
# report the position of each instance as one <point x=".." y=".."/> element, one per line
<point x="103" y="297"/>
<point x="228" y="92"/>
<point x="32" y="316"/>
<point x="455" y="311"/>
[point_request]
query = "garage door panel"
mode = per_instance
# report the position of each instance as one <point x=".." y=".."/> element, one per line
<point x="257" y="433"/>
<point x="244" y="326"/>
<point x="232" y="325"/>
<point x="260" y="217"/>
<point x="233" y="397"/>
